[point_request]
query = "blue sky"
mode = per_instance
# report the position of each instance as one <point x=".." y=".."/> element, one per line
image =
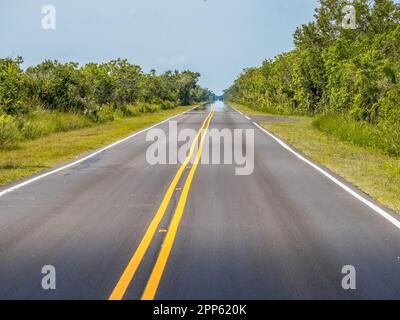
<point x="218" y="38"/>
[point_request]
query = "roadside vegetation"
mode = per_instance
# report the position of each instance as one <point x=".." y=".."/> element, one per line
<point x="342" y="86"/>
<point x="349" y="79"/>
<point x="54" y="111"/>
<point x="360" y="133"/>
<point x="55" y="97"/>
<point x="33" y="156"/>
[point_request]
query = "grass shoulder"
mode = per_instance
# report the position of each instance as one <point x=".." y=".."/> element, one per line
<point x="252" y="112"/>
<point x="33" y="156"/>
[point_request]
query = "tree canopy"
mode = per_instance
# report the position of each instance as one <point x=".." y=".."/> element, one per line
<point x="332" y="69"/>
<point x="69" y="87"/>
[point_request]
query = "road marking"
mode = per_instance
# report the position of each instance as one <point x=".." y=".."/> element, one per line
<point x="248" y="118"/>
<point x="237" y="111"/>
<point x="156" y="275"/>
<point x="22" y="184"/>
<point x="130" y="270"/>
<point x="162" y="230"/>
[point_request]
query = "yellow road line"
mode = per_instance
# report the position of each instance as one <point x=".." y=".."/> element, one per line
<point x="130" y="270"/>
<point x="155" y="277"/>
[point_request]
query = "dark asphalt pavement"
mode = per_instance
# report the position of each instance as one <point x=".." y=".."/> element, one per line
<point x="283" y="232"/>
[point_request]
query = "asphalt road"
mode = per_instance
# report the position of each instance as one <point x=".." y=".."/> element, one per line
<point x="283" y="232"/>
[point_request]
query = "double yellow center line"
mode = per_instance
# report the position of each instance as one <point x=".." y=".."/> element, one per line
<point x="155" y="277"/>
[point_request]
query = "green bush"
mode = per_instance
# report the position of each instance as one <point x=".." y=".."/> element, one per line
<point x="148" y="108"/>
<point x="129" y="110"/>
<point x="105" y="113"/>
<point x="100" y="114"/>
<point x="9" y="134"/>
<point x="167" y="105"/>
<point x="12" y="86"/>
<point x="389" y="108"/>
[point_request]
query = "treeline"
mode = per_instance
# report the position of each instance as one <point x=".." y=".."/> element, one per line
<point x="70" y="96"/>
<point x="351" y="73"/>
<point x="67" y="87"/>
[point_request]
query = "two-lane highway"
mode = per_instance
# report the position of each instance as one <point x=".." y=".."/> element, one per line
<point x="116" y="227"/>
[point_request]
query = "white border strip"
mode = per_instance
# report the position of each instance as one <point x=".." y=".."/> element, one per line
<point x="22" y="184"/>
<point x="368" y="203"/>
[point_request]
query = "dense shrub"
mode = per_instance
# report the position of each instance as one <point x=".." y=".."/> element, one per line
<point x="9" y="134"/>
<point x="57" y="86"/>
<point x="66" y="87"/>
<point x="13" y="95"/>
<point x="148" y="108"/>
<point x="100" y="114"/>
<point x="166" y="105"/>
<point x="129" y="110"/>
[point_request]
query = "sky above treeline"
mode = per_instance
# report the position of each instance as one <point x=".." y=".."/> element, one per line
<point x="217" y="38"/>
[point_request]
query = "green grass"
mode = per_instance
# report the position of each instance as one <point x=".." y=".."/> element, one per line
<point x="247" y="110"/>
<point x="274" y="111"/>
<point x="33" y="156"/>
<point x="253" y="112"/>
<point x="369" y="169"/>
<point x="360" y="133"/>
<point x="42" y="123"/>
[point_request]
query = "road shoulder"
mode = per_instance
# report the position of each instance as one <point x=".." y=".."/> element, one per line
<point x="375" y="174"/>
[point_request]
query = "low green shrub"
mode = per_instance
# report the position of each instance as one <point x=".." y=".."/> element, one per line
<point x="129" y="110"/>
<point x="148" y="108"/>
<point x="167" y="105"/>
<point x="100" y="114"/>
<point x="105" y="114"/>
<point x="9" y="134"/>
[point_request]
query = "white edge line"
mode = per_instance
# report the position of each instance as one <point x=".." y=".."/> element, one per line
<point x="22" y="184"/>
<point x="368" y="203"/>
<point x="237" y="111"/>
